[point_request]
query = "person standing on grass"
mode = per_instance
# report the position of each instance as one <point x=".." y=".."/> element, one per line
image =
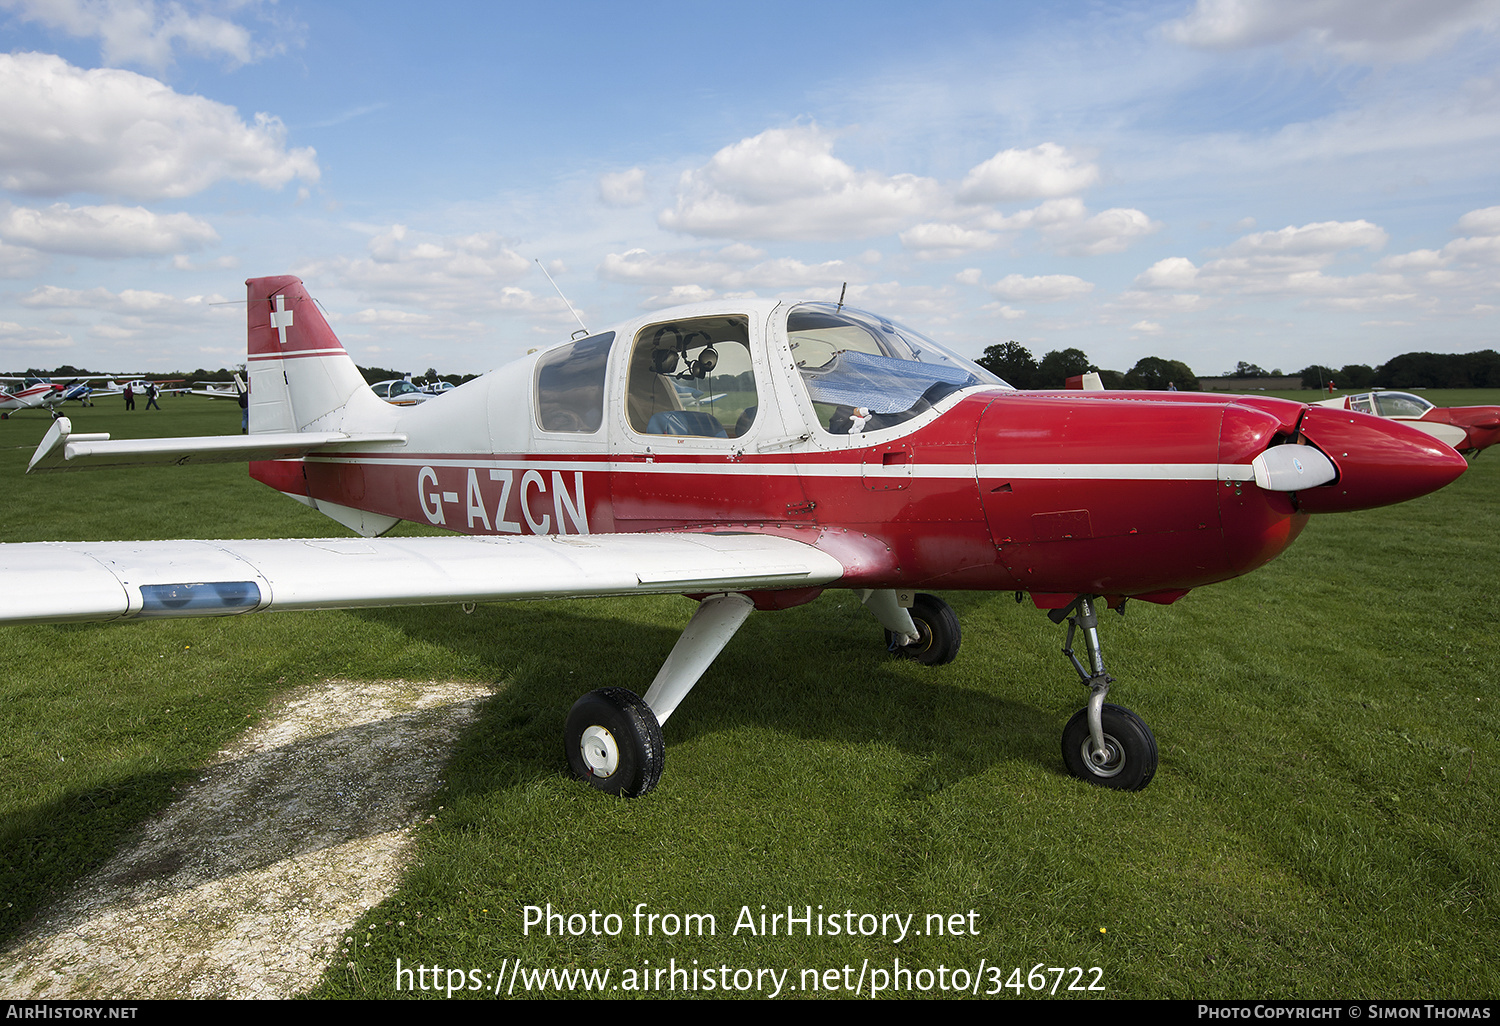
<point x="151" y="397"/>
<point x="129" y="397"/>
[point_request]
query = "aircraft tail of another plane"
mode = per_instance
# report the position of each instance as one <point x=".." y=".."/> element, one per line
<point x="301" y="379"/>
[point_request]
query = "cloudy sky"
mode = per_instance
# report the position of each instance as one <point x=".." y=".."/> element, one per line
<point x="1279" y="181"/>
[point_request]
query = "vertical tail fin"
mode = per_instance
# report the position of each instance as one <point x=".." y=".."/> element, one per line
<point x="300" y="376"/>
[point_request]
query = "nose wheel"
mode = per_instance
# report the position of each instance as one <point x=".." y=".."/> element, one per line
<point x="613" y="741"/>
<point x="1127" y="759"/>
<point x="1104" y="744"/>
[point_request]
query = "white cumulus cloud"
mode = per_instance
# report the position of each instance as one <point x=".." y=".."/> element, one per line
<point x="623" y="188"/>
<point x="1359" y="30"/>
<point x="944" y="241"/>
<point x="1480" y="246"/>
<point x="1319" y="238"/>
<point x="19" y="261"/>
<point x="678" y="295"/>
<point x="1291" y="262"/>
<point x="68" y="129"/>
<point x="785" y="183"/>
<point x="475" y="272"/>
<point x="1110" y="231"/>
<point x="24" y="338"/>
<point x="1169" y="273"/>
<point x="733" y="267"/>
<point x="1042" y="172"/>
<point x="1042" y="288"/>
<point x="144" y="316"/>
<point x="140" y="31"/>
<point x="104" y="231"/>
<point x="1480" y="222"/>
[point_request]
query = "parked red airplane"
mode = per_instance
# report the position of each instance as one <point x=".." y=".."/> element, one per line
<point x="1469" y="429"/>
<point x="836" y="449"/>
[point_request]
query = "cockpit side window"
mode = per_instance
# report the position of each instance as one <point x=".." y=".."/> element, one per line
<point x="864" y="372"/>
<point x="570" y="385"/>
<point x="693" y="377"/>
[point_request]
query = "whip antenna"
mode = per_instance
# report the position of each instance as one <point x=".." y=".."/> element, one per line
<point x="585" y="327"/>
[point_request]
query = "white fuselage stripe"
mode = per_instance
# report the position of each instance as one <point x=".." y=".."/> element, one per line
<point x="934" y="471"/>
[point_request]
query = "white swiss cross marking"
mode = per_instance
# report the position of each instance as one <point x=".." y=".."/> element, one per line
<point x="282" y="318"/>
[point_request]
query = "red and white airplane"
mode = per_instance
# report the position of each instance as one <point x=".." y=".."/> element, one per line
<point x="27" y="394"/>
<point x="36" y="393"/>
<point x="839" y="450"/>
<point x="1469" y="429"/>
<point x="41" y="393"/>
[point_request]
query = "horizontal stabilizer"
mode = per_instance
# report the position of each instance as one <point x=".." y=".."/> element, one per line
<point x="50" y="582"/>
<point x="61" y="449"/>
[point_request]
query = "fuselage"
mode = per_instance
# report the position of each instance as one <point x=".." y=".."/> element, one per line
<point x="911" y="466"/>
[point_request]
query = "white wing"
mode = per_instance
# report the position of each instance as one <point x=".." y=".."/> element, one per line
<point x="49" y="582"/>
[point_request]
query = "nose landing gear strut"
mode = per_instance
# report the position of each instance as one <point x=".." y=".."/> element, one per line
<point x="1104" y="744"/>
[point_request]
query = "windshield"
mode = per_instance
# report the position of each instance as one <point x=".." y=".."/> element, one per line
<point x="1401" y="404"/>
<point x="864" y="372"/>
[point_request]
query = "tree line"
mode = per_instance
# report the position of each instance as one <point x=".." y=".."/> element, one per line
<point x="1015" y="364"/>
<point x="1413" y="370"/>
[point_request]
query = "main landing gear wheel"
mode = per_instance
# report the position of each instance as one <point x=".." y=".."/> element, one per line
<point x="1128" y="760"/>
<point x="938" y="634"/>
<point x="614" y="742"/>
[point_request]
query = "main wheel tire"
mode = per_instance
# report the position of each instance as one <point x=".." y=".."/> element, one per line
<point x="938" y="633"/>
<point x="614" y="742"/>
<point x="1129" y="761"/>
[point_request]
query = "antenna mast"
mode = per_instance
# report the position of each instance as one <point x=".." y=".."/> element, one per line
<point x="585" y="327"/>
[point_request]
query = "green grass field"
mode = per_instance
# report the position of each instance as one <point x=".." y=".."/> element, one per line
<point x="1323" y="822"/>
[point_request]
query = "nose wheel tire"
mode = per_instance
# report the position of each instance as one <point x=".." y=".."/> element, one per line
<point x="1128" y="760"/>
<point x="938" y="634"/>
<point x="613" y="741"/>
